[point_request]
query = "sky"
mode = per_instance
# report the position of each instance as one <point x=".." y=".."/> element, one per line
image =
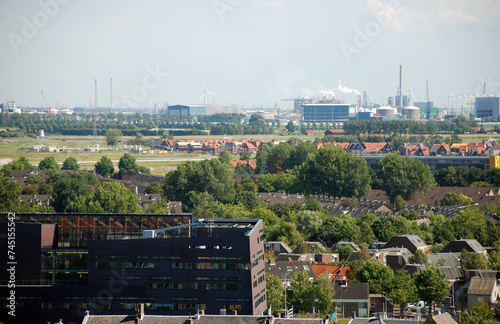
<point x="250" y="53"/>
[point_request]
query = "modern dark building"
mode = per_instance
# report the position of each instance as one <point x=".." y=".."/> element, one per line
<point x="487" y="107"/>
<point x="111" y="263"/>
<point x="186" y="110"/>
<point x="326" y="112"/>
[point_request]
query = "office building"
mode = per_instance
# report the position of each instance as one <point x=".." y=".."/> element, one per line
<point x="111" y="263"/>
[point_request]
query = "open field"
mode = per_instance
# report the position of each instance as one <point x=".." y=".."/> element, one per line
<point x="13" y="148"/>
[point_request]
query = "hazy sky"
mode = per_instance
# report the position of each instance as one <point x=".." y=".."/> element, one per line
<point x="248" y="52"/>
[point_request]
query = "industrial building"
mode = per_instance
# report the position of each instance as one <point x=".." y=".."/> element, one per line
<point x="325" y="112"/>
<point x="186" y="110"/>
<point x="487" y="107"/>
<point x="109" y="264"/>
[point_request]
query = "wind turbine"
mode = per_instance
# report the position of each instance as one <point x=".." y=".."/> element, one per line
<point x="205" y="93"/>
<point x="449" y="96"/>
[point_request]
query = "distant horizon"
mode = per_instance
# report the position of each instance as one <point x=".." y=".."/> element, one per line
<point x="245" y="53"/>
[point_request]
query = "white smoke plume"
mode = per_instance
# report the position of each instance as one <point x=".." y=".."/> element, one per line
<point x="346" y="90"/>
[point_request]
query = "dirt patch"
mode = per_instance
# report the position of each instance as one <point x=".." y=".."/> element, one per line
<point x="5" y="161"/>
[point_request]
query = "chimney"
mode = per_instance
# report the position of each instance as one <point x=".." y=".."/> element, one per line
<point x="272" y="262"/>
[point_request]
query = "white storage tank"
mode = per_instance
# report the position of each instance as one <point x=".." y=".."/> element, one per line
<point x="386" y="111"/>
<point x="411" y="113"/>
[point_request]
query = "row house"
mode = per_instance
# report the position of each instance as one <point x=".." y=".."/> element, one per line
<point x="162" y="145"/>
<point x="195" y="148"/>
<point x="210" y="147"/>
<point x="414" y="150"/>
<point x="369" y="148"/>
<point x="439" y="149"/>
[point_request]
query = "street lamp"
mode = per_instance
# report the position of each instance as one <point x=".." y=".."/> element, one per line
<point x="286" y="309"/>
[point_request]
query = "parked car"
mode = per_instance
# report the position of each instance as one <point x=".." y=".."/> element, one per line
<point x="414" y="307"/>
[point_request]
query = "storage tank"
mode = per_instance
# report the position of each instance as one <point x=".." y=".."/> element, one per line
<point x="386" y="111"/>
<point x="411" y="113"/>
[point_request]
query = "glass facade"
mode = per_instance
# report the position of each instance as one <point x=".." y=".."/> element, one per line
<point x="326" y="113"/>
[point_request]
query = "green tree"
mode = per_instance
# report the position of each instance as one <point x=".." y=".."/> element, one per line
<point x="308" y="222"/>
<point x="245" y="155"/>
<point x="290" y="127"/>
<point x="344" y="252"/>
<point x="248" y="199"/>
<point x="419" y="257"/>
<point x="104" y="167"/>
<point x="261" y="158"/>
<point x="154" y="188"/>
<point x="33" y="180"/>
<point x="286" y="232"/>
<point x="211" y="176"/>
<point x="9" y="194"/>
<point x="127" y="162"/>
<point x="278" y="157"/>
<point x="388" y="226"/>
<point x="275" y="293"/>
<point x="403" y="289"/>
<point x="21" y="164"/>
<point x="68" y="187"/>
<point x="49" y="163"/>
<point x="112" y="136"/>
<point x="336" y="173"/>
<point x="403" y="175"/>
<point x="194" y="200"/>
<point x="70" y="164"/>
<point x="432" y="286"/>
<point x="224" y="156"/>
<point x="338" y="228"/>
<point x="324" y="293"/>
<point x="377" y="275"/>
<point x="300" y="153"/>
<point x="303" y="293"/>
<point x="471" y="260"/>
<point x="115" y="198"/>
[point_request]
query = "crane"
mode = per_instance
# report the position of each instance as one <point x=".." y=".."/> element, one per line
<point x="47" y="106"/>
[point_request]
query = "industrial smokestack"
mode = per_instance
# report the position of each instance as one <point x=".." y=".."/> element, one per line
<point x="401" y="85"/>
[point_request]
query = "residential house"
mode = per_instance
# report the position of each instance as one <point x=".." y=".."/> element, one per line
<point x="162" y="145"/>
<point x="210" y="147"/>
<point x="334" y="132"/>
<point x="411" y="242"/>
<point x="439" y="149"/>
<point x="146" y="200"/>
<point x="277" y="247"/>
<point x="377" y="147"/>
<point x="414" y="150"/>
<point x="248" y="147"/>
<point x="352" y="298"/>
<point x="444" y="318"/>
<point x="195" y="148"/>
<point x="486" y="289"/>
<point x="494" y="150"/>
<point x="379" y="303"/>
<point x="335" y="273"/>
<point x="309" y="247"/>
<point x="286" y="269"/>
<point x="470" y="245"/>
<point x="310" y="132"/>
<point x="250" y="165"/>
